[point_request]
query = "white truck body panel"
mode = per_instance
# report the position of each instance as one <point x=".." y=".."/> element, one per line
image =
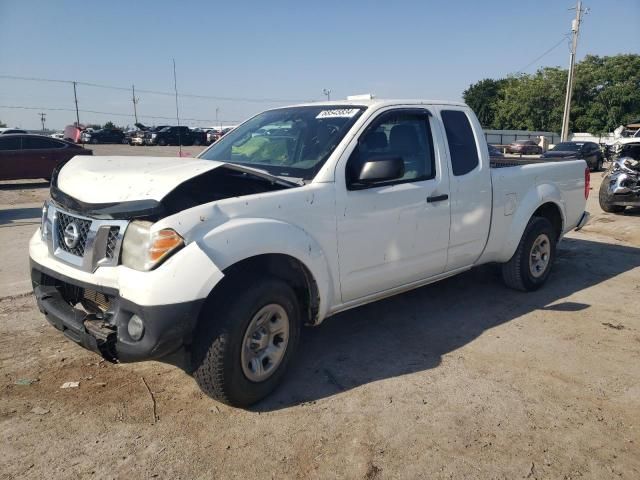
<point x="358" y="245"/>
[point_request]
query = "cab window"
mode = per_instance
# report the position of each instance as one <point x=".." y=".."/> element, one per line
<point x="406" y="134"/>
<point x="462" y="143"/>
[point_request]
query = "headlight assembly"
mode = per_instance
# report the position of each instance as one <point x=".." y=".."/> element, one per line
<point x="144" y="250"/>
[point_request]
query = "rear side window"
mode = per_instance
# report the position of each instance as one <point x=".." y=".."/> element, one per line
<point x="462" y="144"/>
<point x="41" y="143"/>
<point x="10" y="143"/>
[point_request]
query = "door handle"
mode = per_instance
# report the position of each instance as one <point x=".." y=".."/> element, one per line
<point x="438" y="198"/>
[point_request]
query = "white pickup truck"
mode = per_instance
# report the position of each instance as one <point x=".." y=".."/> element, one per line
<point x="215" y="263"/>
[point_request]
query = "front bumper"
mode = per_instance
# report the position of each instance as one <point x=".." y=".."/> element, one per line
<point x="167" y="328"/>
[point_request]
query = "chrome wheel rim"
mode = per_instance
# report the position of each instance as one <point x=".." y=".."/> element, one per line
<point x="265" y="342"/>
<point x="540" y="255"/>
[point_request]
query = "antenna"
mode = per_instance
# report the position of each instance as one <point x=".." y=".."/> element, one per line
<point x="175" y="88"/>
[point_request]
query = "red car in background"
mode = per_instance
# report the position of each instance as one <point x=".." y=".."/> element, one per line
<point x="34" y="156"/>
<point x="524" y="147"/>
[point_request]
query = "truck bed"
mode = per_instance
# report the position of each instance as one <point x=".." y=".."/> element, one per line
<point x="502" y="162"/>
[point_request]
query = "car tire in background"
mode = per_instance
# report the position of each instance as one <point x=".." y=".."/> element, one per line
<point x="234" y="331"/>
<point x="94" y="141"/>
<point x="599" y="164"/>
<point x="162" y="142"/>
<point x="603" y="199"/>
<point x="530" y="265"/>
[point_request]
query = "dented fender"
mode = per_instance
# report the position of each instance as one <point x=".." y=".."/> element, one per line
<point x="243" y="238"/>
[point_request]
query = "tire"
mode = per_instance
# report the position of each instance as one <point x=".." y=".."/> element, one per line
<point x="599" y="164"/>
<point x="197" y="143"/>
<point x="524" y="273"/>
<point x="603" y="199"/>
<point x="218" y="356"/>
<point x="162" y="142"/>
<point x="94" y="141"/>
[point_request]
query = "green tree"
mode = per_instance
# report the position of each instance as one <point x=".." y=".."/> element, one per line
<point x="109" y="126"/>
<point x="532" y="102"/>
<point x="2" y="124"/>
<point x="482" y="97"/>
<point x="606" y="94"/>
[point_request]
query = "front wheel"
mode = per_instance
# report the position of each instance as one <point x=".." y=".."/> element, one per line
<point x="531" y="264"/>
<point x="245" y="345"/>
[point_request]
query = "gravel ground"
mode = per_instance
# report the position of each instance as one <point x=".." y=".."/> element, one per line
<point x="461" y="379"/>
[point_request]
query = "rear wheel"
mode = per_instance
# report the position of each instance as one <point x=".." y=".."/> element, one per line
<point x="531" y="264"/>
<point x="162" y="142"/>
<point x="244" y="345"/>
<point x="605" y="203"/>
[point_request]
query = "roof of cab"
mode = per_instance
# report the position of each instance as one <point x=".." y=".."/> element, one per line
<point x="378" y="102"/>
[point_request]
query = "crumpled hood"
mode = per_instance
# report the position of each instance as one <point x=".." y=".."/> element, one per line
<point x="113" y="179"/>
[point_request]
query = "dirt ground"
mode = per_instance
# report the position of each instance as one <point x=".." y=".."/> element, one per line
<point x="461" y="379"/>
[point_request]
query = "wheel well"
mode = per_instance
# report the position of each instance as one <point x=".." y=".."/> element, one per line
<point x="283" y="267"/>
<point x="551" y="212"/>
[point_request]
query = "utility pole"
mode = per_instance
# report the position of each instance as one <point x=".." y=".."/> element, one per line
<point x="135" y="102"/>
<point x="42" y="119"/>
<point x="575" y="31"/>
<point x="327" y="92"/>
<point x="175" y="88"/>
<point x="75" y="97"/>
<point x="217" y="110"/>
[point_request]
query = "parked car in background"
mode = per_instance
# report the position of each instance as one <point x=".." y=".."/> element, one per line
<point x="524" y="147"/>
<point x="34" y="156"/>
<point x="590" y="152"/>
<point x="199" y="136"/>
<point x="150" y="132"/>
<point x="58" y="135"/>
<point x="620" y="187"/>
<point x="7" y="131"/>
<point x="495" y="151"/>
<point x="174" y="136"/>
<point x="137" y="138"/>
<point x="103" y="136"/>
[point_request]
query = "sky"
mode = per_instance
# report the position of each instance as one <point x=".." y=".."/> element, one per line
<point x="259" y="55"/>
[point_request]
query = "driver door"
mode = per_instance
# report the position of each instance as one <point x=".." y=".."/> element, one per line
<point x="396" y="232"/>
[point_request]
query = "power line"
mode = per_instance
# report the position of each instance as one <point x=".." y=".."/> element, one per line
<point x="154" y="92"/>
<point x="116" y="114"/>
<point x="565" y="37"/>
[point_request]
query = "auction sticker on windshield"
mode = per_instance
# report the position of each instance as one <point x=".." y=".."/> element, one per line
<point x="338" y="113"/>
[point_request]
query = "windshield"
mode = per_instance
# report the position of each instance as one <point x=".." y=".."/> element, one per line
<point x="290" y="142"/>
<point x="568" y="147"/>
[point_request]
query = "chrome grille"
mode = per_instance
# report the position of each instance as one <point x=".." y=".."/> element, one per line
<point x="112" y="242"/>
<point x="83" y="226"/>
<point x="99" y="241"/>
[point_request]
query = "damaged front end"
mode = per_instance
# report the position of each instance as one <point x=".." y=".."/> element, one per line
<point x="96" y="260"/>
<point x="620" y="186"/>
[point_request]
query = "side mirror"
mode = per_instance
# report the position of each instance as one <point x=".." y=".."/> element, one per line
<point x="380" y="169"/>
